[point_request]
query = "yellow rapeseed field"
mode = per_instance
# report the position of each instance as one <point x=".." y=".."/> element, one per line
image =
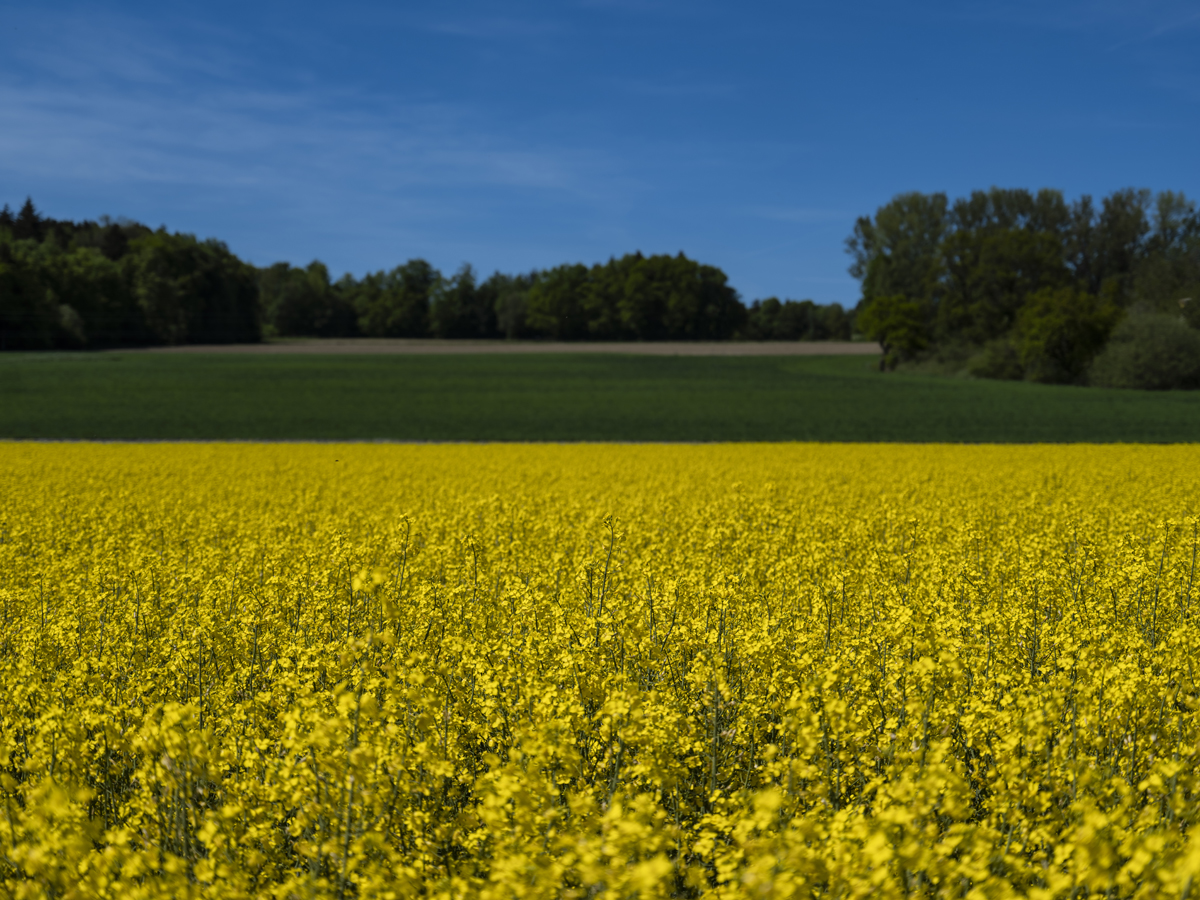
<point x="582" y="671"/>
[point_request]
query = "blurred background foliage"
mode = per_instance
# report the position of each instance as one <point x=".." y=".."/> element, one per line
<point x="1014" y="284"/>
<point x="1005" y="283"/>
<point x="119" y="284"/>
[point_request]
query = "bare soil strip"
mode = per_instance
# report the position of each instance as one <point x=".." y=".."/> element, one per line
<point x="418" y="347"/>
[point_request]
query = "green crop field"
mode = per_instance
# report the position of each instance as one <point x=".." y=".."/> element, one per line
<point x="137" y="396"/>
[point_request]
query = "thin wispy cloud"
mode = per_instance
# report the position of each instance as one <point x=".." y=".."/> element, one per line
<point x="86" y="48"/>
<point x="136" y="110"/>
<point x="359" y="169"/>
<point x="535" y="134"/>
<point x="210" y="141"/>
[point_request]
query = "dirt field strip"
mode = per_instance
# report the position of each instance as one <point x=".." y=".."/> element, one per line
<point x="418" y="347"/>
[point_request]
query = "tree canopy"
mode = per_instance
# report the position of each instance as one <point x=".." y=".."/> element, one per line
<point x="106" y="283"/>
<point x="1016" y="284"/>
<point x="111" y="284"/>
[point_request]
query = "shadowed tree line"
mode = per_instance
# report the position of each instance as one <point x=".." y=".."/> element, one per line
<point x="631" y="298"/>
<point x="119" y="283"/>
<point x="1020" y="285"/>
<point x="102" y="284"/>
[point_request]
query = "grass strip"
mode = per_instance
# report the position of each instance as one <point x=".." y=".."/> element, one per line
<point x="132" y="396"/>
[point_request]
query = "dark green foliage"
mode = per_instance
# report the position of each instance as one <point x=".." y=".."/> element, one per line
<point x="29" y="315"/>
<point x="990" y="275"/>
<point x="1190" y="308"/>
<point x="100" y="292"/>
<point x="792" y="320"/>
<point x="28" y="225"/>
<point x="560" y="306"/>
<point x="1120" y="241"/>
<point x="1170" y="272"/>
<point x="1017" y="284"/>
<point x="675" y="298"/>
<point x="302" y="303"/>
<point x="897" y="252"/>
<point x="555" y="398"/>
<point x="193" y="292"/>
<point x="628" y="298"/>
<point x="457" y="309"/>
<point x="509" y="297"/>
<point x="898" y="324"/>
<point x="635" y="297"/>
<point x="1059" y="331"/>
<point x="1150" y="351"/>
<point x="62" y="292"/>
<point x="395" y="303"/>
<point x="111" y="284"/>
<point x="997" y="359"/>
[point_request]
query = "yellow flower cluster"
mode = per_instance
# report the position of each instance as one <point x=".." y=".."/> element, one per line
<point x="579" y="671"/>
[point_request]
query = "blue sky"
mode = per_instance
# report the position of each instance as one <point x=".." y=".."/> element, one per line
<point x="522" y="135"/>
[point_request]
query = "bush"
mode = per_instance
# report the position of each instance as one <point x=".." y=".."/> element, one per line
<point x="898" y="324"/>
<point x="189" y="291"/>
<point x="792" y="320"/>
<point x="997" y="359"/>
<point x="457" y="309"/>
<point x="1059" y="331"/>
<point x="302" y="303"/>
<point x="395" y="303"/>
<point x="1191" y="308"/>
<point x="1150" y="351"/>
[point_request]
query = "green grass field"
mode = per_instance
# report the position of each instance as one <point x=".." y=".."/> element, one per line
<point x="117" y="396"/>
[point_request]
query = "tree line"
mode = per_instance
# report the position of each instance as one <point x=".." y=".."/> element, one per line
<point x="104" y="284"/>
<point x="119" y="283"/>
<point x="1015" y="284"/>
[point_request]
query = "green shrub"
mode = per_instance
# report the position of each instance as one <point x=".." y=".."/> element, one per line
<point x="1191" y="308"/>
<point x="1150" y="351"/>
<point x="1059" y="331"/>
<point x="897" y="323"/>
<point x="997" y="359"/>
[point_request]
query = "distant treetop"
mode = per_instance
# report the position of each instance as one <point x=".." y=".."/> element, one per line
<point x="106" y="284"/>
<point x="1015" y="284"/>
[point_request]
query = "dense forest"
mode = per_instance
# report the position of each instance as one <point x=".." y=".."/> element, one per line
<point x="119" y="283"/>
<point x="106" y="284"/>
<point x="1012" y="284"/>
<point x="1001" y="284"/>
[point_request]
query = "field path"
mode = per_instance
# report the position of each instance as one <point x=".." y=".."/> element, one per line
<point x="428" y="347"/>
